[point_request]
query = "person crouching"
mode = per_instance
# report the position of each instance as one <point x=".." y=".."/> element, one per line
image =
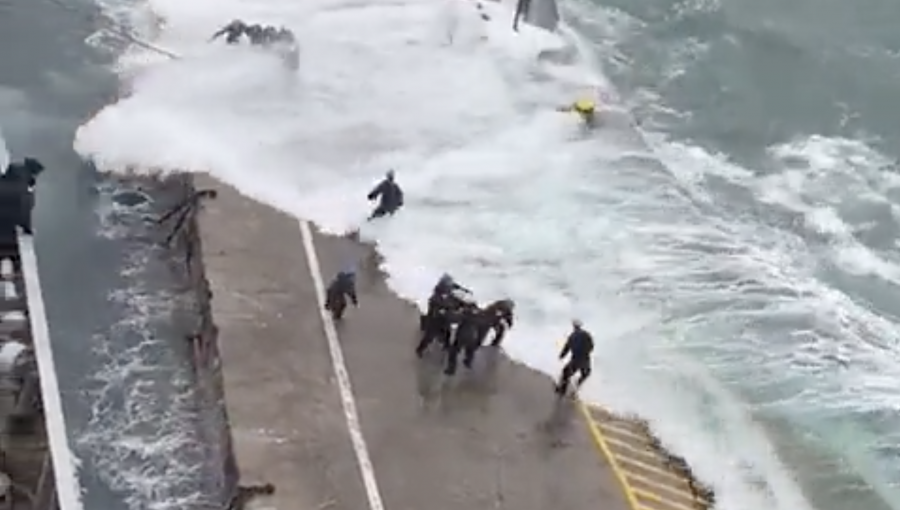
<point x="342" y="287"/>
<point x="497" y="317"/>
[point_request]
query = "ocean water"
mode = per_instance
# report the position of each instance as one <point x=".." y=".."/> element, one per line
<point x="112" y="301"/>
<point x="729" y="234"/>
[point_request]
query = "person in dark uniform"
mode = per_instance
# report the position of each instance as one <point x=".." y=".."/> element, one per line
<point x="466" y="339"/>
<point x="389" y="196"/>
<point x="497" y="317"/>
<point x="232" y="32"/>
<point x="18" y="182"/>
<point x="447" y="285"/>
<point x="579" y="347"/>
<point x="437" y="322"/>
<point x="268" y="36"/>
<point x="342" y="287"/>
<point x="25" y="172"/>
<point x="14" y="212"/>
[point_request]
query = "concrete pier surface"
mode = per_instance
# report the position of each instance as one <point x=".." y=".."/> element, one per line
<point x="494" y="437"/>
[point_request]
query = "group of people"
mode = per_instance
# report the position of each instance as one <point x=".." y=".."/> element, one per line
<point x="269" y="36"/>
<point x="259" y="35"/>
<point x="282" y="39"/>
<point x="453" y="318"/>
<point x="459" y="325"/>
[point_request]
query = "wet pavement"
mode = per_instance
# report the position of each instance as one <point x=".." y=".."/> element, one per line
<point x="494" y="437"/>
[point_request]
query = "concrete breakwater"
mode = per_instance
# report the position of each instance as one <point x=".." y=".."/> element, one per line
<point x="254" y="309"/>
<point x="183" y="236"/>
<point x="141" y="426"/>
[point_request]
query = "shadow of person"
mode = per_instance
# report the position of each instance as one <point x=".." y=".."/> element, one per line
<point x="483" y="374"/>
<point x="429" y="376"/>
<point x="472" y="389"/>
<point x="559" y="425"/>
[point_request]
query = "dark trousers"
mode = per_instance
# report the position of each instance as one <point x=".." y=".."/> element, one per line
<point x="499" y="332"/>
<point x="433" y="330"/>
<point x="336" y="302"/>
<point x="581" y="366"/>
<point x="382" y="210"/>
<point x="467" y="345"/>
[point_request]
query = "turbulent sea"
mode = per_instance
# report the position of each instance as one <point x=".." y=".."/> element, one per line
<point x="729" y="234"/>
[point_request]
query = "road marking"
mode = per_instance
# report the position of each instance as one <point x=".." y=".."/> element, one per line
<point x="675" y="493"/>
<point x="665" y="504"/>
<point x="68" y="488"/>
<point x="642" y="449"/>
<point x="351" y="414"/>
<point x="623" y="433"/>
<point x="624" y="444"/>
<point x="600" y="442"/>
<point x="635" y="465"/>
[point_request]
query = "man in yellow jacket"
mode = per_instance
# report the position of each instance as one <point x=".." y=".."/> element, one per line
<point x="586" y="109"/>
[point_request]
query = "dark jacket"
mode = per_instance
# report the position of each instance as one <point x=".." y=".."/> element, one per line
<point x="24" y="173"/>
<point x="469" y="327"/>
<point x="232" y="32"/>
<point x="580" y="345"/>
<point x="17" y="197"/>
<point x="447" y="287"/>
<point x="342" y="287"/>
<point x="499" y="311"/>
<point x="388" y="193"/>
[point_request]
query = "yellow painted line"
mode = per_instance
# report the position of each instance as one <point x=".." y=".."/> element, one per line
<point x="656" y="498"/>
<point x="682" y="493"/>
<point x="600" y="442"/>
<point x="623" y="445"/>
<point x="642" y="450"/>
<point x="620" y="429"/>
<point x="658" y="471"/>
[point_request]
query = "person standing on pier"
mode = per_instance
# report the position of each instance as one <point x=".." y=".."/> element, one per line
<point x="466" y="339"/>
<point x="579" y="347"/>
<point x="17" y="196"/>
<point x="436" y="323"/>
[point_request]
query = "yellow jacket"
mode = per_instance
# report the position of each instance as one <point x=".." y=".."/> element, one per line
<point x="582" y="106"/>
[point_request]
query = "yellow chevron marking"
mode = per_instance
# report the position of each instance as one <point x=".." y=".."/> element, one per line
<point x="650" y="478"/>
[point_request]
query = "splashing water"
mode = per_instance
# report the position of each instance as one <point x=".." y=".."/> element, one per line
<point x="685" y="288"/>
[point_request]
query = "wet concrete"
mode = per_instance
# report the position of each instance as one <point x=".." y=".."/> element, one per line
<point x="492" y="438"/>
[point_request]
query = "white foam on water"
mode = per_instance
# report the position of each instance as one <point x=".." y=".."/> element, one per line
<point x="142" y="433"/>
<point x="823" y="353"/>
<point x="502" y="191"/>
<point x="827" y="179"/>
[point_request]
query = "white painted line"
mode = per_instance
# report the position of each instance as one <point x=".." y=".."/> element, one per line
<point x="68" y="489"/>
<point x="6" y="268"/>
<point x="9" y="291"/>
<point x="343" y="377"/>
